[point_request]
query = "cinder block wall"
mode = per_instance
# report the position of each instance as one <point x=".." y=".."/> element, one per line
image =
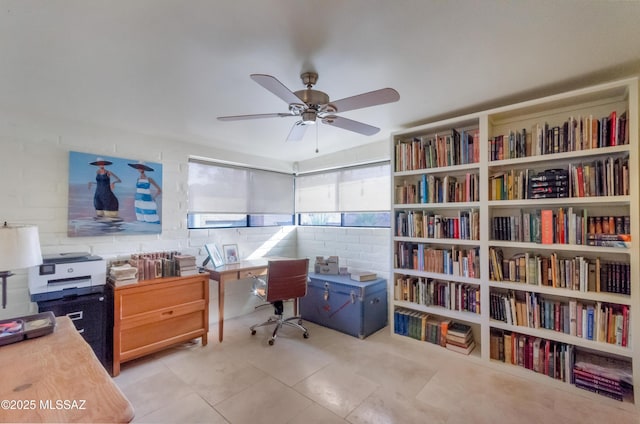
<point x="364" y="249"/>
<point x="34" y="170"/>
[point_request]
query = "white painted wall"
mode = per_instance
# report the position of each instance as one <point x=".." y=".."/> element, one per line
<point x="34" y="183"/>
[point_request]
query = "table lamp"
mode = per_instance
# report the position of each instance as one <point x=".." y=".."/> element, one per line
<point x="19" y="248"/>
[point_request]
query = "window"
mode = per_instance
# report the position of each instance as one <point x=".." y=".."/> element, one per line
<point x="347" y="197"/>
<point x="222" y="196"/>
<point x="225" y="196"/>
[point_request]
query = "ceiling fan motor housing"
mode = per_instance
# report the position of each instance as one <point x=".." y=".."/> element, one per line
<point x="312" y="97"/>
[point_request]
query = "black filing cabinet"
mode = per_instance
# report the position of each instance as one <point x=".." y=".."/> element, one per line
<point x="92" y="315"/>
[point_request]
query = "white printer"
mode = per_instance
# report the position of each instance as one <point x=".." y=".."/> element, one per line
<point x="67" y="274"/>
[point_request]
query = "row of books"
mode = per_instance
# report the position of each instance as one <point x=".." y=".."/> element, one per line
<point x="435" y="189"/>
<point x="150" y="265"/>
<point x="586" y="370"/>
<point x="576" y="133"/>
<point x="431" y="151"/>
<point x="451" y="261"/>
<point x="608" y="177"/>
<point x="421" y="326"/>
<point x="602" y="322"/>
<point x="602" y="177"/>
<point x="551" y="358"/>
<point x="576" y="273"/>
<point x="563" y="226"/>
<point x="429" y="292"/>
<point x="465" y="226"/>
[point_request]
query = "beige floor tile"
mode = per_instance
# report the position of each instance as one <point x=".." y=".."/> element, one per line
<point x="154" y="392"/>
<point x="214" y="375"/>
<point x="189" y="409"/>
<point x="316" y="414"/>
<point x="268" y="401"/>
<point x="288" y="360"/>
<point x="386" y="406"/>
<point x="337" y="387"/>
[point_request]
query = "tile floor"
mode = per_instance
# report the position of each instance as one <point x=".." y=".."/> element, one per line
<point x="335" y="378"/>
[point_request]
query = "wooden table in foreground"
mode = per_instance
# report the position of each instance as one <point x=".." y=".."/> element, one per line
<point x="58" y="378"/>
<point x="233" y="272"/>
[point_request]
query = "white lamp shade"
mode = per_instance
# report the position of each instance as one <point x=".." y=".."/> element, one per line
<point x="19" y="247"/>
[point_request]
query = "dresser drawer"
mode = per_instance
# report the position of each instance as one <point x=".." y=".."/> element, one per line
<point x="143" y="339"/>
<point x="135" y="302"/>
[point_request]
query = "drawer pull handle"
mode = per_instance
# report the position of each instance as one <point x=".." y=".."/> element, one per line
<point x="75" y="315"/>
<point x="167" y="313"/>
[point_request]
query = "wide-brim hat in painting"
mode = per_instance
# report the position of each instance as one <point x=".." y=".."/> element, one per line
<point x="140" y="165"/>
<point x="100" y="161"/>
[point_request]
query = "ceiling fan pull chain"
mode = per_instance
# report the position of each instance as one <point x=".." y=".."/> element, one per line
<point x="317" y="139"/>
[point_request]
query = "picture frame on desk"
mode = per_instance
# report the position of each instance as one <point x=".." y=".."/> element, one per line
<point x="231" y="254"/>
<point x="214" y="254"/>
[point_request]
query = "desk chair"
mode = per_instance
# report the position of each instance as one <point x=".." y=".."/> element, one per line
<point x="286" y="279"/>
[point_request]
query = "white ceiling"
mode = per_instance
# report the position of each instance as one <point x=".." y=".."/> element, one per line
<point x="169" y="68"/>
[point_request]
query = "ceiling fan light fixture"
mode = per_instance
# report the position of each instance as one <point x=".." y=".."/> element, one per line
<point x="309" y="117"/>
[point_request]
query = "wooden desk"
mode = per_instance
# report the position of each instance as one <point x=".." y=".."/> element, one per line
<point x="233" y="272"/>
<point x="57" y="378"/>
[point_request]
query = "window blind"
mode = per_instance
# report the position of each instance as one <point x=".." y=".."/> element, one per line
<point x="216" y="188"/>
<point x="357" y="189"/>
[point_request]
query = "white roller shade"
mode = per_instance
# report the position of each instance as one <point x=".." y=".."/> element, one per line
<point x="358" y="189"/>
<point x="215" y="188"/>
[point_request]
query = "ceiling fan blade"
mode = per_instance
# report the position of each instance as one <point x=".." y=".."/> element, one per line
<point x="258" y="116"/>
<point x="372" y="98"/>
<point x="351" y="125"/>
<point x="297" y="131"/>
<point x="277" y="88"/>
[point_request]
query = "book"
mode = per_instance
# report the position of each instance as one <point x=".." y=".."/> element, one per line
<point x="458" y="329"/>
<point x="546" y="217"/>
<point x="363" y="276"/>
<point x="464" y="350"/>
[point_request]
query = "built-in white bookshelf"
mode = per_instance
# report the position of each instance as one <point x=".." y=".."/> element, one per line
<point x="522" y="222"/>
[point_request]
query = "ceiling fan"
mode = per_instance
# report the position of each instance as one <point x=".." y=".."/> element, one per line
<point x="312" y="106"/>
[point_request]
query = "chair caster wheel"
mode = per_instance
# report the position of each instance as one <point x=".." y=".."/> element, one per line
<point x="253" y="332"/>
<point x="305" y="335"/>
<point x="271" y="341"/>
<point x="299" y="322"/>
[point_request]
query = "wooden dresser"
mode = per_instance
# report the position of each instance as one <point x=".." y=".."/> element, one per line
<point x="154" y="314"/>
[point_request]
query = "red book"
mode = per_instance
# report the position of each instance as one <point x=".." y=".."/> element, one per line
<point x="546" y="218"/>
<point x="580" y="181"/>
<point x="625" y="325"/>
<point x="546" y="357"/>
<point x="613" y="132"/>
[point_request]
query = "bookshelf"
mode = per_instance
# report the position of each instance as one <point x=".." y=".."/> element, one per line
<point x="521" y="222"/>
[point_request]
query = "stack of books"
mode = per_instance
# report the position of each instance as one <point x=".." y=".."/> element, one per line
<point x="551" y="183"/>
<point x="608" y="380"/>
<point x="121" y="275"/>
<point x="460" y="338"/>
<point x="186" y="265"/>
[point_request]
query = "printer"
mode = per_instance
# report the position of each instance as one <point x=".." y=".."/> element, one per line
<point x="67" y="274"/>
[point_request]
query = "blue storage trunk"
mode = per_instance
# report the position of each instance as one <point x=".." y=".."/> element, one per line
<point x="352" y="307"/>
